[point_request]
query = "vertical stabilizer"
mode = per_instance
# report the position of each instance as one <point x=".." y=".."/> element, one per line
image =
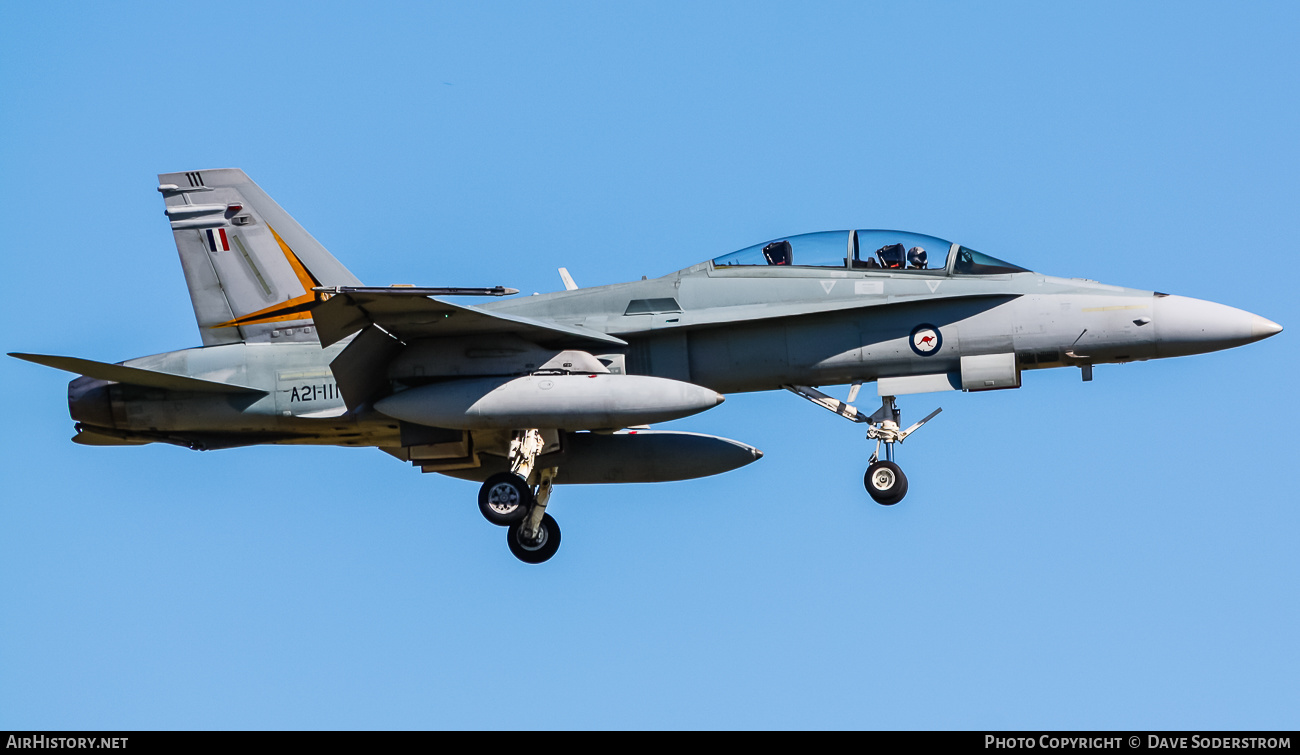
<point x="250" y="267"/>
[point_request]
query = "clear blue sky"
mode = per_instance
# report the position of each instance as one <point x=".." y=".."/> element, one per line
<point x="1116" y="554"/>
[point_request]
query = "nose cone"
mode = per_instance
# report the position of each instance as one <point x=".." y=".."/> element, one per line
<point x="1262" y="328"/>
<point x="1193" y="326"/>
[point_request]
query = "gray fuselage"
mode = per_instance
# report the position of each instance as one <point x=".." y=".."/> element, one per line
<point x="731" y="329"/>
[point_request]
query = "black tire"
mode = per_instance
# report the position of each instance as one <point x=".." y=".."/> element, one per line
<point x="535" y="553"/>
<point x="504" y="499"/>
<point x="885" y="482"/>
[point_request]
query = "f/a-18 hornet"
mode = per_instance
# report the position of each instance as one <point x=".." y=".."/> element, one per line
<point x="524" y="393"/>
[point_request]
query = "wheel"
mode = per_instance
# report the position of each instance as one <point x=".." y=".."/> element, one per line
<point x="504" y="498"/>
<point x="548" y="541"/>
<point x="885" y="482"/>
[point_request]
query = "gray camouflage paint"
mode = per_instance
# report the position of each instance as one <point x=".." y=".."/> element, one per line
<point x="729" y="329"/>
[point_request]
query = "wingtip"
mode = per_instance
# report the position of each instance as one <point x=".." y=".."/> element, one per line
<point x="40" y="359"/>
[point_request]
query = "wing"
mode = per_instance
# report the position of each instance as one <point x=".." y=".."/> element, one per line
<point x="410" y="314"/>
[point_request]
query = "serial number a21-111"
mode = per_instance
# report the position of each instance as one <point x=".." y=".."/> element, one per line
<point x="309" y="392"/>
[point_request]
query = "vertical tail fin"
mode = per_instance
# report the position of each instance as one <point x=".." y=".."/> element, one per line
<point x="249" y="266"/>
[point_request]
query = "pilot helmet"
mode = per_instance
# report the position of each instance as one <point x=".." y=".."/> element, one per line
<point x="916" y="257"/>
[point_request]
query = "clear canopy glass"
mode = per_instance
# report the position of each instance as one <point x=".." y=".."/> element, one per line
<point x="971" y="262"/>
<point x="900" y="250"/>
<point x="867" y="250"/>
<point x="825" y="249"/>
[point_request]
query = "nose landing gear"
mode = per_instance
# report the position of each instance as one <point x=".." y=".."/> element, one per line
<point x="884" y="480"/>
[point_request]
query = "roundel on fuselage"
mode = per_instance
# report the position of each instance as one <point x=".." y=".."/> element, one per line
<point x="925" y="339"/>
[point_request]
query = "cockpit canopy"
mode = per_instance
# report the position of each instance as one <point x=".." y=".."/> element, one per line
<point x="870" y="250"/>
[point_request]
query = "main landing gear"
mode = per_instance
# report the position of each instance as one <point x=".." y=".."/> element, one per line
<point x="884" y="480"/>
<point x="517" y="501"/>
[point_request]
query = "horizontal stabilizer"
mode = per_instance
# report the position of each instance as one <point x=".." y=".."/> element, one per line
<point x="134" y="376"/>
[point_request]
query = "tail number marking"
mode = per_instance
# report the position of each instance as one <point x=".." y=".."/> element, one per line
<point x="319" y="392"/>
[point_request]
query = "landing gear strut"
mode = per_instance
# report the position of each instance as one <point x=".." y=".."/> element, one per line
<point x="517" y="500"/>
<point x="884" y="480"/>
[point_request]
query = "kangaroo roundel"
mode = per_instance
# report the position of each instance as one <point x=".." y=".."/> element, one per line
<point x="926" y="340"/>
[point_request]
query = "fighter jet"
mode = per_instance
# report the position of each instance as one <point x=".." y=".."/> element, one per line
<point x="520" y="394"/>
